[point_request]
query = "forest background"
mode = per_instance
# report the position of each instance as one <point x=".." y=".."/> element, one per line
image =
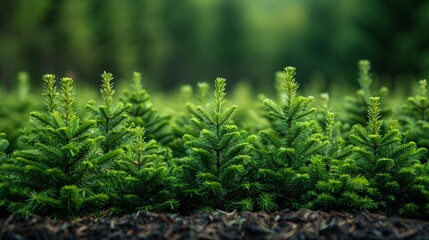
<point x="182" y="42"/>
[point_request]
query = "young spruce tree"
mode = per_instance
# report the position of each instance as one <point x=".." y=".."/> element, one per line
<point x="138" y="177"/>
<point x="55" y="175"/>
<point x="356" y="107"/>
<point x="144" y="114"/>
<point x="415" y="118"/>
<point x="219" y="169"/>
<point x="180" y="123"/>
<point x="111" y="119"/>
<point x="291" y="145"/>
<point x="142" y="179"/>
<point x="390" y="165"/>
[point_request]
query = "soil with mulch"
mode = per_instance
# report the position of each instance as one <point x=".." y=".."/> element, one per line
<point x="301" y="224"/>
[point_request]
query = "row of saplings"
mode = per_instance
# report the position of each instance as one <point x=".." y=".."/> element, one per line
<point x="128" y="157"/>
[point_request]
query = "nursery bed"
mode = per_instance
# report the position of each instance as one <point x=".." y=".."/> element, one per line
<point x="301" y="224"/>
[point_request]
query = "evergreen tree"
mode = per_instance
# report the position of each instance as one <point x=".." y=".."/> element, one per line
<point x="414" y="185"/>
<point x="181" y="121"/>
<point x="415" y="118"/>
<point x="111" y="119"/>
<point x="380" y="174"/>
<point x="383" y="159"/>
<point x="333" y="173"/>
<point x="55" y="175"/>
<point x="144" y="114"/>
<point x="294" y="136"/>
<point x="142" y="180"/>
<point x="138" y="179"/>
<point x="219" y="169"/>
<point x="337" y="147"/>
<point x="356" y="107"/>
<point x="293" y="142"/>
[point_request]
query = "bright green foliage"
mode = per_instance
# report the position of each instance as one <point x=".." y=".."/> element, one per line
<point x="141" y="180"/>
<point x="332" y="172"/>
<point x="218" y="171"/>
<point x="342" y="191"/>
<point x="383" y="158"/>
<point x="295" y="137"/>
<point x="144" y="114"/>
<point x="376" y="151"/>
<point x="181" y="122"/>
<point x="111" y="118"/>
<point x="336" y="148"/>
<point x="302" y="158"/>
<point x="356" y="107"/>
<point x="419" y="105"/>
<point x="292" y="144"/>
<point x="415" y="119"/>
<point x="379" y="175"/>
<point x="54" y="175"/>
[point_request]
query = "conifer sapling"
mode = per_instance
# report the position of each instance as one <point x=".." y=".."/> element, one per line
<point x="217" y="173"/>
<point x="144" y="114"/>
<point x="54" y="176"/>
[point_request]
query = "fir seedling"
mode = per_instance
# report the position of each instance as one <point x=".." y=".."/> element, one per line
<point x="418" y="106"/>
<point x="181" y="121"/>
<point x="294" y="136"/>
<point x="218" y="171"/>
<point x="291" y="144"/>
<point x="381" y="157"/>
<point x="337" y="147"/>
<point x="54" y="176"/>
<point x="356" y="107"/>
<point x="141" y="179"/>
<point x="415" y="117"/>
<point x="144" y="114"/>
<point x="111" y="118"/>
<point x="376" y="151"/>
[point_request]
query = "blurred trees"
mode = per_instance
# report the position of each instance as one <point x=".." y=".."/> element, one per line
<point x="396" y="36"/>
<point x="174" y="42"/>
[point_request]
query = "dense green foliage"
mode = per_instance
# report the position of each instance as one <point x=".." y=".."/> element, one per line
<point x="218" y="171"/>
<point x="144" y="114"/>
<point x="54" y="174"/>
<point x="128" y="155"/>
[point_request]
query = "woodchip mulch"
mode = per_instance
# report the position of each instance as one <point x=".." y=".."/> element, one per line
<point x="287" y="224"/>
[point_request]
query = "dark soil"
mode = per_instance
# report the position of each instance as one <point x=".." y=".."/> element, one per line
<point x="302" y="224"/>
